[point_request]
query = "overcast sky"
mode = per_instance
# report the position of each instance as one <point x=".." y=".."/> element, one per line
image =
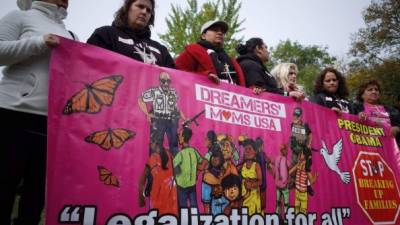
<point x="310" y="22"/>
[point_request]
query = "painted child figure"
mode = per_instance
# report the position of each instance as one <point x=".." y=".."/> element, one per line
<point x="163" y="187"/>
<point x="301" y="181"/>
<point x="227" y="148"/>
<point x="231" y="186"/>
<point x="211" y="190"/>
<point x="251" y="174"/>
<point x="187" y="163"/>
<point x="265" y="163"/>
<point x="211" y="143"/>
<point x="281" y="177"/>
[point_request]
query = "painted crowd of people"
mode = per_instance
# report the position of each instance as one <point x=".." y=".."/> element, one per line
<point x="26" y="39"/>
<point x="229" y="180"/>
<point x="233" y="174"/>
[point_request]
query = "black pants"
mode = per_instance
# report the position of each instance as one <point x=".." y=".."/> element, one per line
<point x="160" y="127"/>
<point x="22" y="158"/>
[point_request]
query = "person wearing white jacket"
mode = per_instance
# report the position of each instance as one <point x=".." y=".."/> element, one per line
<point x="26" y="39"/>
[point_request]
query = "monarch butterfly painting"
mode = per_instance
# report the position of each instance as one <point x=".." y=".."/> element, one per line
<point x="110" y="138"/>
<point x="91" y="98"/>
<point x="107" y="177"/>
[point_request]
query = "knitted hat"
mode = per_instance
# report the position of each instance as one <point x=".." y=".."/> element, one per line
<point x="24" y="4"/>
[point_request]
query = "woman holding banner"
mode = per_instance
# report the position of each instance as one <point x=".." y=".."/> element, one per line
<point x="208" y="57"/>
<point x="253" y="54"/>
<point x="26" y="39"/>
<point x="286" y="77"/>
<point x="130" y="34"/>
<point x="330" y="90"/>
<point x="370" y="108"/>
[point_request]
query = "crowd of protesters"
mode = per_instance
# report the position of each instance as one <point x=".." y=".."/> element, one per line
<point x="28" y="35"/>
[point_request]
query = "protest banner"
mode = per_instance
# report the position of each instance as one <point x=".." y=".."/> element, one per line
<point x="251" y="159"/>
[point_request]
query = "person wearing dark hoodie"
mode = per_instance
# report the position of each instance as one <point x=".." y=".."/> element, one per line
<point x="130" y="34"/>
<point x="208" y="57"/>
<point x="252" y="57"/>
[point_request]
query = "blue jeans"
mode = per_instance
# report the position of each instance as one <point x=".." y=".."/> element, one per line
<point x="185" y="194"/>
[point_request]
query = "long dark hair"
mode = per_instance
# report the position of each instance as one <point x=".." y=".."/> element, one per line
<point x="216" y="171"/>
<point x="163" y="154"/>
<point x="249" y="46"/>
<point x="230" y="181"/>
<point x="121" y="16"/>
<point x="342" y="90"/>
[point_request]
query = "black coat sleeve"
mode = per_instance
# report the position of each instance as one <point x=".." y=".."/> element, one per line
<point x="394" y="115"/>
<point x="101" y="37"/>
<point x="255" y="76"/>
<point x="271" y="86"/>
<point x="318" y="99"/>
<point x="168" y="61"/>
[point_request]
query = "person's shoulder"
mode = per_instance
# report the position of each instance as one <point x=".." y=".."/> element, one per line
<point x="391" y="109"/>
<point x="153" y="89"/>
<point x="189" y="149"/>
<point x="105" y="29"/>
<point x="317" y="96"/>
<point x="248" y="62"/>
<point x="17" y="12"/>
<point x="246" y="59"/>
<point x="15" y="15"/>
<point x="191" y="45"/>
<point x="358" y="106"/>
<point x="194" y="46"/>
<point x="157" y="44"/>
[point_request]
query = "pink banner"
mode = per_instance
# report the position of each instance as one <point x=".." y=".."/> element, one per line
<point x="251" y="159"/>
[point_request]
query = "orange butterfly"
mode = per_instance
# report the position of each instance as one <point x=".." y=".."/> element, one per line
<point x="106" y="177"/>
<point x="93" y="96"/>
<point x="109" y="138"/>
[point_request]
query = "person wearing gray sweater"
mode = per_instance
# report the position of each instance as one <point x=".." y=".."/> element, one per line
<point x="26" y="39"/>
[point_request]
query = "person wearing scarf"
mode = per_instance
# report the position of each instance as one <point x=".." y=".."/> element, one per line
<point x="208" y="57"/>
<point x="130" y="34"/>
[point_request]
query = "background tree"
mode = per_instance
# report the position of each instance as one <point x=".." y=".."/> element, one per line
<point x="381" y="37"/>
<point x="184" y="24"/>
<point x="376" y="50"/>
<point x="310" y="60"/>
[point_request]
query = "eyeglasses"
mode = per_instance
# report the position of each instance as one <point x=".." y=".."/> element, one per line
<point x="165" y="81"/>
<point x="292" y="73"/>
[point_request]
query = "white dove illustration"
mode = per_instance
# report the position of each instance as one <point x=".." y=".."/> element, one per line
<point x="333" y="159"/>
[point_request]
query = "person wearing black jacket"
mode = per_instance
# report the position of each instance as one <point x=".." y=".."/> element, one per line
<point x="253" y="54"/>
<point x="330" y="90"/>
<point x="130" y="34"/>
<point x="369" y="108"/>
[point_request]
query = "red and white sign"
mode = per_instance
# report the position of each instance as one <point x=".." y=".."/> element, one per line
<point x="376" y="188"/>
